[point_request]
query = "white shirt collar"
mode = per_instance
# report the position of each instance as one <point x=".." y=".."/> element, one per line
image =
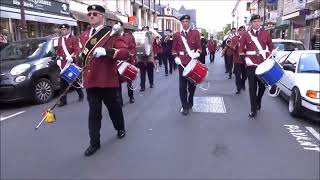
<point x="186" y="30"/>
<point x="67" y="36"/>
<point x="96" y="28"/>
<point x="255" y="31"/>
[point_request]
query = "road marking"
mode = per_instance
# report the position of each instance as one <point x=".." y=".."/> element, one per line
<point x="313" y="132"/>
<point x="303" y="137"/>
<point x="10" y="116"/>
<point x="209" y="105"/>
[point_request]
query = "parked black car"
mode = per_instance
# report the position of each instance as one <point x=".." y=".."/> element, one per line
<point x="28" y="71"/>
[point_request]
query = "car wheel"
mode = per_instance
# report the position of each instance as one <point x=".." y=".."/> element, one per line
<point x="43" y="91"/>
<point x="295" y="103"/>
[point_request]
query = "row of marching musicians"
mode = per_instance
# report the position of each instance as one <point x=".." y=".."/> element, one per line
<point x="101" y="56"/>
<point x="244" y="52"/>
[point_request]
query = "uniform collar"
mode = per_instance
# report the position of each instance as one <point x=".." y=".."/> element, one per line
<point x="187" y="31"/>
<point x="67" y="36"/>
<point x="96" y="28"/>
<point x="255" y="31"/>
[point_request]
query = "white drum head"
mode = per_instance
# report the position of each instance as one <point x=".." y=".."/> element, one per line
<point x="264" y="66"/>
<point x="189" y="67"/>
<point x="122" y="67"/>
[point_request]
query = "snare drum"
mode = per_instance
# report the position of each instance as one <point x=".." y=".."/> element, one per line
<point x="195" y="71"/>
<point x="70" y="73"/>
<point x="127" y="71"/>
<point x="270" y="72"/>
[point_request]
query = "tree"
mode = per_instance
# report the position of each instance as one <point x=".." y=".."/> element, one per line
<point x="226" y="29"/>
<point x="206" y="34"/>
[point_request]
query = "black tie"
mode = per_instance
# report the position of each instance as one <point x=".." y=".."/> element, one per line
<point x="93" y="31"/>
<point x="257" y="33"/>
<point x="186" y="33"/>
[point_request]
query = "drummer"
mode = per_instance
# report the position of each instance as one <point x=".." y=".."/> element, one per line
<point x="67" y="50"/>
<point x="181" y="57"/>
<point x="252" y="54"/>
<point x="128" y="38"/>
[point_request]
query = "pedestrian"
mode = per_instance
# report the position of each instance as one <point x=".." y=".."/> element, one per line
<point x="239" y="66"/>
<point x="181" y="56"/>
<point x="166" y="43"/>
<point x="157" y="51"/>
<point x="128" y="38"/>
<point x="315" y="40"/>
<point x="212" y="47"/>
<point x="204" y="44"/>
<point x="230" y="52"/>
<point x="253" y="54"/>
<point x="146" y="63"/>
<point x="101" y="79"/>
<point x="67" y="52"/>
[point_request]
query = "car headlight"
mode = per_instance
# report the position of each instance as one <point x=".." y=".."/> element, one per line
<point x="19" y="69"/>
<point x="313" y="94"/>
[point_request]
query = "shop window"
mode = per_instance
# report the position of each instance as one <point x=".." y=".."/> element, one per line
<point x="4" y="30"/>
<point x="32" y="29"/>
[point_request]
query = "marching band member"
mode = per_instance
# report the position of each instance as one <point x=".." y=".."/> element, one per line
<point x="204" y="44"/>
<point x="67" y="51"/>
<point x="129" y="40"/>
<point x="101" y="79"/>
<point x="212" y="47"/>
<point x="157" y="51"/>
<point x="182" y="57"/>
<point x="167" y="54"/>
<point x="239" y="66"/>
<point x="255" y="46"/>
<point x="146" y="66"/>
<point x="230" y="52"/>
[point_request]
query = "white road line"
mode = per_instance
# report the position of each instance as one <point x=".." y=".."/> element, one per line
<point x="313" y="132"/>
<point x="10" y="116"/>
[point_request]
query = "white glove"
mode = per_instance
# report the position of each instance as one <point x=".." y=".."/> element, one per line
<point x="99" y="51"/>
<point x="69" y="59"/>
<point x="274" y="54"/>
<point x="195" y="55"/>
<point x="177" y="60"/>
<point x="249" y="62"/>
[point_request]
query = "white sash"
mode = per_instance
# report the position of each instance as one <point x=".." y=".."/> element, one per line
<point x="66" y="52"/>
<point x="184" y="40"/>
<point x="257" y="43"/>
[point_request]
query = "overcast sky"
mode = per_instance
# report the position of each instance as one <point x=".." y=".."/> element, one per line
<point x="211" y="14"/>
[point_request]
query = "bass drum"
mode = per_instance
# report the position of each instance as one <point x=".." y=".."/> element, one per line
<point x="143" y="43"/>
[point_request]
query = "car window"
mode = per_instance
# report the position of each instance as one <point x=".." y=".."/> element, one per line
<point x="309" y="63"/>
<point x="50" y="50"/>
<point x="292" y="58"/>
<point x="288" y="46"/>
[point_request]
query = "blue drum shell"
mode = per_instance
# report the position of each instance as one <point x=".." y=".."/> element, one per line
<point x="71" y="73"/>
<point x="273" y="75"/>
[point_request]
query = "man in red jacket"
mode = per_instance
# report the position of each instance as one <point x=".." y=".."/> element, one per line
<point x="179" y="52"/>
<point x="212" y="47"/>
<point x="230" y="52"/>
<point x="101" y="79"/>
<point x="67" y="51"/>
<point x="157" y="52"/>
<point x="251" y="54"/>
<point x="239" y="66"/>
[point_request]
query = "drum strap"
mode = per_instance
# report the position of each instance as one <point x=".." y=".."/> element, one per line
<point x="184" y="40"/>
<point x="257" y="43"/>
<point x="65" y="50"/>
<point x="98" y="39"/>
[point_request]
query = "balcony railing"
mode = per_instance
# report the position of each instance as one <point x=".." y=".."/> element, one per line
<point x="146" y="3"/>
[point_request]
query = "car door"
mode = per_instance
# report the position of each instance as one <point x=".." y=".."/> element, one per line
<point x="290" y="68"/>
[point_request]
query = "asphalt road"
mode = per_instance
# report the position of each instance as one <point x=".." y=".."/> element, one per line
<point x="216" y="141"/>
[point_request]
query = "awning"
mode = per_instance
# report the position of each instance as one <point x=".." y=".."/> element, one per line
<point x="79" y="16"/>
<point x="111" y="16"/>
<point x="129" y="26"/>
<point x="7" y="12"/>
<point x="292" y="15"/>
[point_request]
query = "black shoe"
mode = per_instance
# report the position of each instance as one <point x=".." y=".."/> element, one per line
<point x="226" y="72"/>
<point x="121" y="133"/>
<point x="151" y="86"/>
<point x="244" y="87"/>
<point x="131" y="100"/>
<point x="81" y="98"/>
<point x="252" y="114"/>
<point x="259" y="106"/>
<point x="62" y="104"/>
<point x="238" y="92"/>
<point x="229" y="77"/>
<point x="91" y="150"/>
<point x="142" y="89"/>
<point x="185" y="111"/>
<point x="166" y="74"/>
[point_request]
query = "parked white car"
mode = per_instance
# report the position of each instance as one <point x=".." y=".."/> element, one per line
<point x="286" y="46"/>
<point x="301" y="82"/>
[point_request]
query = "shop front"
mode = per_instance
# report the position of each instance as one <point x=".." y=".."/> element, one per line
<point x="42" y="17"/>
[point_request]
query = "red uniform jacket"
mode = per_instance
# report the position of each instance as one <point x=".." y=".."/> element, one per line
<point x="230" y="51"/>
<point x="131" y="43"/>
<point x="72" y="45"/>
<point x="235" y="43"/>
<point x="212" y="46"/>
<point x="246" y="44"/>
<point x="178" y="49"/>
<point x="157" y="48"/>
<point x="102" y="72"/>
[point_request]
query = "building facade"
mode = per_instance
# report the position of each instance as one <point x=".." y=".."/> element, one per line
<point x="168" y="20"/>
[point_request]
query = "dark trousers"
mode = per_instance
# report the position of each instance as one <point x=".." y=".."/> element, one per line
<point x="63" y="85"/>
<point x="95" y="98"/>
<point x="146" y="68"/>
<point x="160" y="58"/>
<point x="256" y="88"/>
<point x="186" y="90"/>
<point x="241" y="75"/>
<point x="212" y="54"/>
<point x="167" y="60"/>
<point x="202" y="58"/>
<point x="130" y="93"/>
<point x="229" y="64"/>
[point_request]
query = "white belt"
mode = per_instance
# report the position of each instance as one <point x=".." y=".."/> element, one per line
<point x="256" y="52"/>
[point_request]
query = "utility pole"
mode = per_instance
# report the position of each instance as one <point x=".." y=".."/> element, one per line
<point x="264" y="12"/>
<point x="23" y="24"/>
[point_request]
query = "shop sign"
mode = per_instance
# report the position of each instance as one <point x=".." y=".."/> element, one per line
<point x="49" y="6"/>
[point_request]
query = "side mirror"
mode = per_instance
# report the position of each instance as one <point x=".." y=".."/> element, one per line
<point x="289" y="67"/>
